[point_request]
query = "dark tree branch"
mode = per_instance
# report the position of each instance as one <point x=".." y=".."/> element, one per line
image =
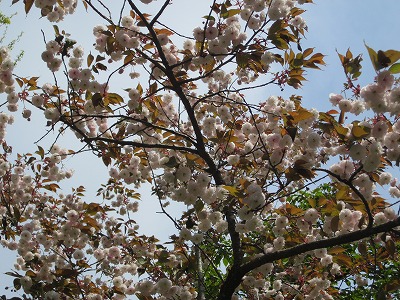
<point x="141" y="145"/>
<point x="166" y="3"/>
<point x="355" y="190"/>
<point x="235" y="276"/>
<point x="89" y="2"/>
<point x="212" y="168"/>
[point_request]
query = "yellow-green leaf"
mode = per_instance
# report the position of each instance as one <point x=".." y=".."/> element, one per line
<point x="360" y="132"/>
<point x="140" y="89"/>
<point x="340" y="129"/>
<point x="232" y="190"/>
<point x="300" y="115"/>
<point x="114" y="98"/>
<point x="230" y="13"/>
<point x="278" y="25"/>
<point x="395" y="68"/>
<point x="393" y="55"/>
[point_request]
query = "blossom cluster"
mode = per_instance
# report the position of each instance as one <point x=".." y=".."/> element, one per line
<point x="54" y="10"/>
<point x="63" y="233"/>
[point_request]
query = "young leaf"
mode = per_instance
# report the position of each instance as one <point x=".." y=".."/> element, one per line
<point x="40" y="152"/>
<point x="373" y="56"/>
<point x="90" y="59"/>
<point x="360" y="132"/>
<point x="383" y="60"/>
<point x="393" y="55"/>
<point x="28" y="5"/>
<point x="395" y="68"/>
<point x="114" y="98"/>
<point x="232" y="190"/>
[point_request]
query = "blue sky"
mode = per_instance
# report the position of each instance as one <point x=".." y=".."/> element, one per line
<point x="333" y="24"/>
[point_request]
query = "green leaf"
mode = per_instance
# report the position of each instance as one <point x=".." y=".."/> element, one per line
<point x="383" y="59"/>
<point x="395" y="68"/>
<point x="230" y="13"/>
<point x="225" y="261"/>
<point x="210" y="18"/>
<point x="224" y="11"/>
<point x="341" y="131"/>
<point x="279" y="43"/>
<point x="56" y="30"/>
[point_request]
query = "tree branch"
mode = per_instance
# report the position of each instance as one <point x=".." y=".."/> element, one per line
<point x="355" y="190"/>
<point x="159" y="12"/>
<point x="235" y="275"/>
